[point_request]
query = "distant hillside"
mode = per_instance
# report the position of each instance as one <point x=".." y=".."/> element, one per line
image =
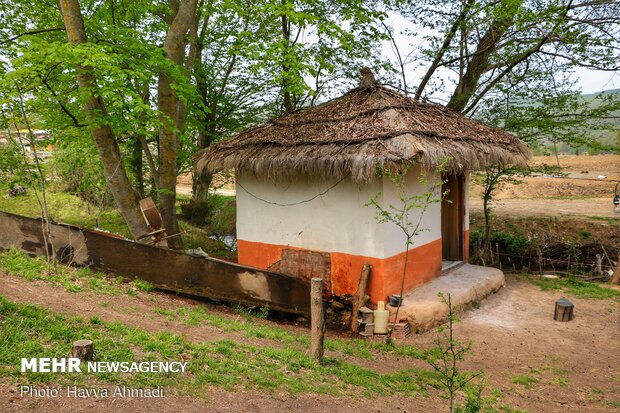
<point x="605" y="137"/>
<point x="592" y="96"/>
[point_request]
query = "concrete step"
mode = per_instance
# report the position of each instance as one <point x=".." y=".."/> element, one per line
<point x="423" y="309"/>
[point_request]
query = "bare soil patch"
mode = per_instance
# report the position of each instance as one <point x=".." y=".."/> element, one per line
<point x="581" y="193"/>
<point x="512" y="333"/>
<point x="594" y="164"/>
<point x="591" y="207"/>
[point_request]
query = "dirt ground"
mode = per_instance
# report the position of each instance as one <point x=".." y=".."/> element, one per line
<point x="512" y="333"/>
<point x="581" y="193"/>
<point x="590" y="207"/>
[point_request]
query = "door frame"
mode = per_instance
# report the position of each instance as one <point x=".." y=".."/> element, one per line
<point x="453" y="217"/>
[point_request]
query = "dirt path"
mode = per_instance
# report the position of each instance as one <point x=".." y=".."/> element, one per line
<point x="512" y="333"/>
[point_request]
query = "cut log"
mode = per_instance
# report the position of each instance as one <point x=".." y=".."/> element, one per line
<point x="359" y="299"/>
<point x="317" y="318"/>
<point x="563" y="310"/>
<point x="83" y="349"/>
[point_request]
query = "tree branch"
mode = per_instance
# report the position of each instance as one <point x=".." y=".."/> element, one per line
<point x="31" y="32"/>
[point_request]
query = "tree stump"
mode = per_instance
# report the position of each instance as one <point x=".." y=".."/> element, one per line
<point x="563" y="310"/>
<point x="83" y="349"/>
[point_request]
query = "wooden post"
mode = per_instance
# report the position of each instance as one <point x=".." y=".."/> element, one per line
<point x="540" y="261"/>
<point x="317" y="318"/>
<point x="563" y="310"/>
<point x="83" y="349"/>
<point x="616" y="276"/>
<point x="599" y="264"/>
<point x="359" y="299"/>
<point x="499" y="259"/>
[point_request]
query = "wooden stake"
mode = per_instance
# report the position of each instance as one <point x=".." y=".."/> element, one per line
<point x="499" y="260"/>
<point x="359" y="299"/>
<point x="599" y="264"/>
<point x="83" y="349"/>
<point x="317" y="318"/>
<point x="563" y="310"/>
<point x="540" y="261"/>
<point x="616" y="277"/>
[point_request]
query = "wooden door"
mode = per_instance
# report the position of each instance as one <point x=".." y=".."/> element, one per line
<point x="453" y="217"/>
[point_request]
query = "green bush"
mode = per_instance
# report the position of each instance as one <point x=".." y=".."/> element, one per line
<point x="513" y="243"/>
<point x="78" y="171"/>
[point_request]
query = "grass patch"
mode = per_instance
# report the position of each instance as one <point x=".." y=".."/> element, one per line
<point x="66" y="208"/>
<point x="577" y="288"/>
<point x="608" y="220"/>
<point x="250" y="324"/>
<point x="142" y="285"/>
<point x="31" y="331"/>
<point x="526" y="381"/>
<point x="73" y="280"/>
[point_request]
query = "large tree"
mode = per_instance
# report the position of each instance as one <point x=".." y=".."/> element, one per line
<point x="159" y="79"/>
<point x="474" y="46"/>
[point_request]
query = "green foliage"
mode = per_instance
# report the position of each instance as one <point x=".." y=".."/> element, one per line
<point x="142" y="285"/>
<point x="513" y="242"/>
<point x="585" y="234"/>
<point x="78" y="170"/>
<point x="578" y="288"/>
<point x="445" y="358"/>
<point x="524" y="380"/>
<point x="12" y="165"/>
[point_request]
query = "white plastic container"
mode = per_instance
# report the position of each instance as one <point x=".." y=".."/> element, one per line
<point x="381" y="316"/>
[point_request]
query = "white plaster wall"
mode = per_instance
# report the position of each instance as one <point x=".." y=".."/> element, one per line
<point x="429" y="221"/>
<point x="337" y="221"/>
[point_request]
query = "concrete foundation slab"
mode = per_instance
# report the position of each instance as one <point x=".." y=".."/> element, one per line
<point x="423" y="309"/>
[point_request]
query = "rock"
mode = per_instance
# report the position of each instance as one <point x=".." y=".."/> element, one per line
<point x="197" y="252"/>
<point x="16" y="190"/>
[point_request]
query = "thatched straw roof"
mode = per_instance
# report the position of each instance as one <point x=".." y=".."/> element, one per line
<point x="353" y="134"/>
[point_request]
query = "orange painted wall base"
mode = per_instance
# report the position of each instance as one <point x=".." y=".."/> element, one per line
<point x="423" y="265"/>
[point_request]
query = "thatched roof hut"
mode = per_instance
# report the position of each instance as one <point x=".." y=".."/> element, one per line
<point x="367" y="127"/>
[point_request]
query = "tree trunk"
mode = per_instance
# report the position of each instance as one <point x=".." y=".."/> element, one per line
<point x="174" y="49"/>
<point x="444" y="47"/>
<point x="137" y="165"/>
<point x="480" y="59"/>
<point x="109" y="152"/>
<point x="286" y="35"/>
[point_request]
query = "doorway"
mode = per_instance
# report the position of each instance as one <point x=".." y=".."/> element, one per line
<point x="453" y="217"/>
